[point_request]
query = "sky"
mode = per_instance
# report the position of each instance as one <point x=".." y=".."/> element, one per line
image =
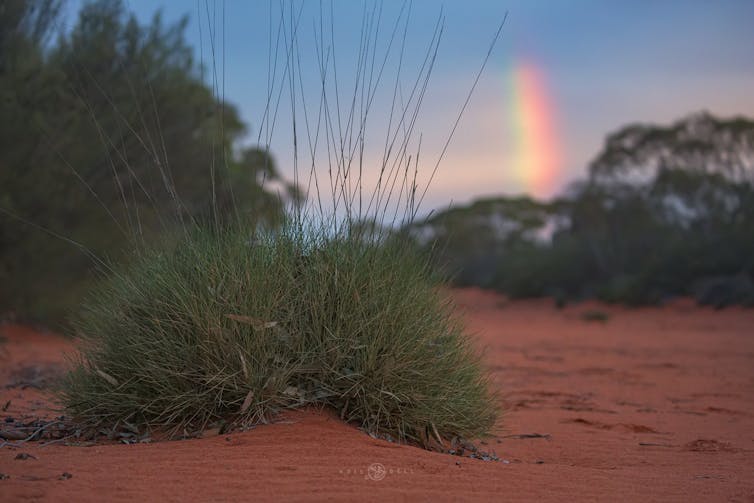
<point x="563" y="74"/>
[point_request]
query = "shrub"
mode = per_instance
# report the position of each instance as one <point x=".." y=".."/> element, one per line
<point x="234" y="323"/>
<point x="224" y="327"/>
<point x="723" y="291"/>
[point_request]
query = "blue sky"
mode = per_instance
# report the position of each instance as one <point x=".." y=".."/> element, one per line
<point x="603" y="64"/>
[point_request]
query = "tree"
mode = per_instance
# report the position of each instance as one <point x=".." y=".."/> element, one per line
<point x="636" y="154"/>
<point x="109" y="136"/>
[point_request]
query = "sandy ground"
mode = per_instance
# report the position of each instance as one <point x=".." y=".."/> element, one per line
<point x="650" y="405"/>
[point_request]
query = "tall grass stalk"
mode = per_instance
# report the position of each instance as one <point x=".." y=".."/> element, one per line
<point x="236" y="322"/>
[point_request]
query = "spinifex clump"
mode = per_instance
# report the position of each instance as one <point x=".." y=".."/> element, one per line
<point x="233" y="323"/>
<point x="222" y="327"/>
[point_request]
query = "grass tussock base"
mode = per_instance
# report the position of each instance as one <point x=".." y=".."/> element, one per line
<point x="223" y="327"/>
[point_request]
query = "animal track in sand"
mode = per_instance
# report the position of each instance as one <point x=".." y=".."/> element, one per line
<point x="723" y="410"/>
<point x="709" y="445"/>
<point x="627" y="427"/>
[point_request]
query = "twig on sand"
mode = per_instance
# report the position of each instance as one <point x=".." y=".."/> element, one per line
<point x="15" y="434"/>
<point x="41" y="429"/>
<point x="59" y="440"/>
<point x="521" y="436"/>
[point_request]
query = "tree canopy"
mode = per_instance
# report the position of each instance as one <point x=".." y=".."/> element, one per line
<point x="700" y="143"/>
<point x="108" y="136"/>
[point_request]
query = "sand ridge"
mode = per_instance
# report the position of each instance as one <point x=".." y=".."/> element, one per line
<point x="651" y="404"/>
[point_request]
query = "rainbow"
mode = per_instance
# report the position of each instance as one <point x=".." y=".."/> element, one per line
<point x="536" y="157"/>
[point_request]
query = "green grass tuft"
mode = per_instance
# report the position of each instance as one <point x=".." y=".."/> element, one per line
<point x="330" y="308"/>
<point x="225" y="327"/>
<point x="595" y="315"/>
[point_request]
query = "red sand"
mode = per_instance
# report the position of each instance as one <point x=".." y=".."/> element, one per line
<point x="653" y="404"/>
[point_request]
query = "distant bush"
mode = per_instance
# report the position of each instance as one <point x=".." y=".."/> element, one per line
<point x="595" y="315"/>
<point x="722" y="291"/>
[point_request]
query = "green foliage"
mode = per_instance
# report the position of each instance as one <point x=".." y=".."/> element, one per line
<point x="107" y="134"/>
<point x="221" y="326"/>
